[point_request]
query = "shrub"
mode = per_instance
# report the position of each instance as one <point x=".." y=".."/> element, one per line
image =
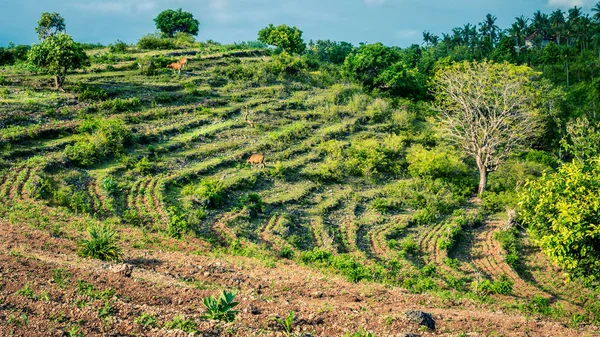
<point x="208" y="193"/>
<point x="155" y="42"/>
<point x="82" y="153"/>
<point x="118" y="47"/>
<point x="561" y="211"/>
<point x="92" y="94"/>
<point x="221" y="308"/>
<point x="510" y="243"/>
<point x="102" y="244"/>
<point x="185" y="325"/>
<point x="121" y="105"/>
<point x="252" y="203"/>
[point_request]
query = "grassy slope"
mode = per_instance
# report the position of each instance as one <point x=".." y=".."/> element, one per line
<point x="192" y="129"/>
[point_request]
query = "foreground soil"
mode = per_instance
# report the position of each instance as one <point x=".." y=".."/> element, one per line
<point x="76" y="300"/>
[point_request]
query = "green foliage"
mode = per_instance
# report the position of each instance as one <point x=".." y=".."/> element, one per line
<point x="121" y="105"/>
<point x="502" y="286"/>
<point x="221" y="308"/>
<point x="185" y="325"/>
<point x="156" y="42"/>
<point x="560" y="211"/>
<point x="287" y="38"/>
<point x="147" y="320"/>
<point x="90" y="94"/>
<point x="27" y="292"/>
<point x="107" y="138"/>
<point x="510" y="243"/>
<point x="60" y="277"/>
<point x="118" y="47"/>
<point x="360" y="333"/>
<point x="330" y="51"/>
<point x="287" y="324"/>
<point x="170" y="22"/>
<point x="369" y="62"/>
<point x="251" y="203"/>
<point x="208" y="193"/>
<point x="56" y="55"/>
<point x="583" y="139"/>
<point x="102" y="244"/>
<point x="49" y="25"/>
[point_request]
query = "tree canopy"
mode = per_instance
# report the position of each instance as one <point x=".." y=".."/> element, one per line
<point x="285" y="37"/>
<point x="487" y="109"/>
<point x="50" y="24"/>
<point x="169" y="22"/>
<point x="562" y="213"/>
<point x="56" y="55"/>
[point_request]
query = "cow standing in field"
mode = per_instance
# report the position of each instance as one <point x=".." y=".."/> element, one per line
<point x="175" y="66"/>
<point x="256" y="159"/>
<point x="183" y="61"/>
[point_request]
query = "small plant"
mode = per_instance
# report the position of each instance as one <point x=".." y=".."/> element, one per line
<point x="60" y="277"/>
<point x="26" y="291"/>
<point x="287" y="324"/>
<point x="146" y="320"/>
<point x="221" y="308"/>
<point x="360" y="333"/>
<point x="186" y="325"/>
<point x="101" y="245"/>
<point x="286" y="252"/>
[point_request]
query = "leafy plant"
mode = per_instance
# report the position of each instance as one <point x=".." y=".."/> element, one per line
<point x="286" y="324"/>
<point x="186" y="325"/>
<point x="102" y="244"/>
<point x="221" y="308"/>
<point x="146" y="320"/>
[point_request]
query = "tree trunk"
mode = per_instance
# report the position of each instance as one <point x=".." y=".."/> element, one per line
<point x="58" y="83"/>
<point x="482" y="180"/>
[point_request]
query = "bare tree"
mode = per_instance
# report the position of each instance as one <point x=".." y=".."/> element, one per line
<point x="488" y="109"/>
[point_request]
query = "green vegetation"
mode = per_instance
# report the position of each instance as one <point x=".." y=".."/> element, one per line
<point x="221" y="308"/>
<point x="102" y="244"/>
<point x="169" y="22"/>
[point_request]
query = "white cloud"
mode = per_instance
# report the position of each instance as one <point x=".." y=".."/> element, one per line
<point x="374" y="2"/>
<point x="407" y="34"/>
<point x="119" y="7"/>
<point x="219" y="5"/>
<point x="565" y="3"/>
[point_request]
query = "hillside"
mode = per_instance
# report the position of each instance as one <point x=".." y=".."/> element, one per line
<point x="362" y="212"/>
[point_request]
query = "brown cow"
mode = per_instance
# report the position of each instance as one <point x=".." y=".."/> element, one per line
<point x="175" y="66"/>
<point x="256" y="159"/>
<point x="183" y="61"/>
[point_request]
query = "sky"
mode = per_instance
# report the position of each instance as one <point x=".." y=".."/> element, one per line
<point x="393" y="22"/>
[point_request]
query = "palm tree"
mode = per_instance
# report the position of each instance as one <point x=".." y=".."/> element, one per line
<point x="597" y="10"/>
<point x="518" y="30"/>
<point x="557" y="23"/>
<point x="489" y="28"/>
<point x="427" y="37"/>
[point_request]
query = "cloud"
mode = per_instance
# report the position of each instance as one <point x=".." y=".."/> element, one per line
<point x="407" y="33"/>
<point x="119" y="7"/>
<point x="374" y="2"/>
<point x="567" y="3"/>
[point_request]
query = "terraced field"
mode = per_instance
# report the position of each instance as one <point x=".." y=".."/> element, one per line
<point x="335" y="183"/>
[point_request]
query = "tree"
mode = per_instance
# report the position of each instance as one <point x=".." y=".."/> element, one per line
<point x="330" y="51"/>
<point x="596" y="11"/>
<point x="369" y="62"/>
<point x="50" y="24"/>
<point x="56" y="55"/>
<point x="561" y="212"/>
<point x="487" y="109"/>
<point x="287" y="38"/>
<point x="170" y="22"/>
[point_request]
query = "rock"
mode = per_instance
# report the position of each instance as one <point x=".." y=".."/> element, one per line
<point x="317" y="294"/>
<point x="409" y="334"/>
<point x="123" y="269"/>
<point x="421" y="318"/>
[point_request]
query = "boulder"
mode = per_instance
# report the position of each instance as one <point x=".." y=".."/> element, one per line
<point x="421" y="318"/>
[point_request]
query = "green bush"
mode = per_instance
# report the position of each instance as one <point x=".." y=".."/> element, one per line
<point x="92" y="94"/>
<point x="221" y="308"/>
<point x="561" y="211"/>
<point x="118" y="47"/>
<point x="156" y="42"/>
<point x="185" y="325"/>
<point x="82" y="153"/>
<point x="121" y="105"/>
<point x="102" y="244"/>
<point x="252" y="203"/>
<point x="208" y="193"/>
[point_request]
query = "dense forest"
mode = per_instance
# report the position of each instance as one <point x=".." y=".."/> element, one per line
<point x="466" y="167"/>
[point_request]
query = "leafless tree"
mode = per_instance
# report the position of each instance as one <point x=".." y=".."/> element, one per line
<point x="488" y="109"/>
